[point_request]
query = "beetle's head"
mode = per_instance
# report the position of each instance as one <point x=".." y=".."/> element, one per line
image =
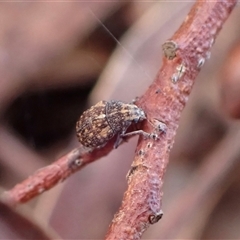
<point x="139" y="115"/>
<point x="142" y="115"/>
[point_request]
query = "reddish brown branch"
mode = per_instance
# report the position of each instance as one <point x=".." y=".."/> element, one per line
<point x="165" y="100"/>
<point x="49" y="176"/>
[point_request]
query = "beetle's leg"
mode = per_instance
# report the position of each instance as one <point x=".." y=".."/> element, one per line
<point x="140" y="132"/>
<point x="158" y="125"/>
<point x="137" y="132"/>
<point x="120" y="135"/>
<point x="118" y="141"/>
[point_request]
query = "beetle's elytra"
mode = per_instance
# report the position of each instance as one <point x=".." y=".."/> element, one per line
<point x="104" y="120"/>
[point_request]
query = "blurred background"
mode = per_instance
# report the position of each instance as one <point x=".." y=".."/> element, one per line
<point x="59" y="58"/>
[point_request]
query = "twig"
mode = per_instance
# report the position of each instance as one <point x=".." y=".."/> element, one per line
<point x="47" y="177"/>
<point x="164" y="101"/>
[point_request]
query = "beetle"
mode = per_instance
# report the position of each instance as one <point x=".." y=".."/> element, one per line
<point x="97" y="125"/>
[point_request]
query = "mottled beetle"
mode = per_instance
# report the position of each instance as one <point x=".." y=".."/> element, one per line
<point x="104" y="120"/>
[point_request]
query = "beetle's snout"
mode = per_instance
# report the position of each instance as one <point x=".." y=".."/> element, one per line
<point x="142" y="115"/>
